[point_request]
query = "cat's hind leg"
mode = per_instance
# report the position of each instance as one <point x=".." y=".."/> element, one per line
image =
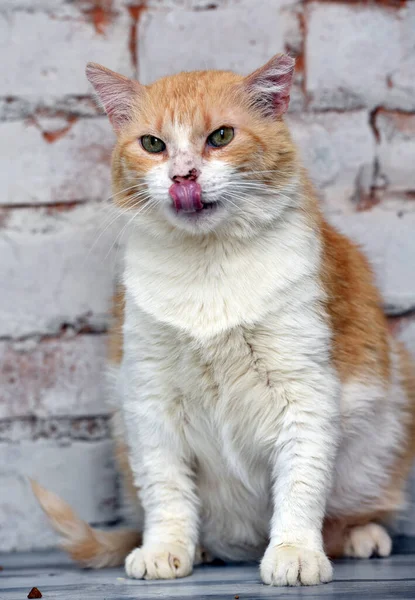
<point x="356" y="538"/>
<point x="367" y="540"/>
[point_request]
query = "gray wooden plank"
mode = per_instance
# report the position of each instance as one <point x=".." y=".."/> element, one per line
<point x="142" y="591"/>
<point x="59" y="579"/>
<point x="381" y="570"/>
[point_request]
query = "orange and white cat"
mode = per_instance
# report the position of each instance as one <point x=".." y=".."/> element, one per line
<point x="264" y="410"/>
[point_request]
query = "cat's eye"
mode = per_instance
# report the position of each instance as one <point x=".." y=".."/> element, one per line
<point x="152" y="144"/>
<point x="221" y="137"/>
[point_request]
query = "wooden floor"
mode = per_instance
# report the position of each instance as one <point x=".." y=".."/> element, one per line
<point x="58" y="579"/>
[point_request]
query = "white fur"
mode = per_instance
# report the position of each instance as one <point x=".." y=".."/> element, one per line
<point x="226" y="360"/>
<point x="373" y="427"/>
<point x="236" y="422"/>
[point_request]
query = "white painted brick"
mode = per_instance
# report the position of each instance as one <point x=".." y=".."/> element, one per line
<point x="339" y="150"/>
<point x="396" y="151"/>
<point x="166" y="39"/>
<point x="399" y="202"/>
<point x="14" y="108"/>
<point x="73" y="167"/>
<point x="205" y="5"/>
<point x="60" y="430"/>
<point x="360" y="55"/>
<point x="82" y="474"/>
<point x="52" y="271"/>
<point x="12" y="5"/>
<point x="69" y="8"/>
<point x="247" y="36"/>
<point x="47" y="53"/>
<point x="389" y="242"/>
<point x="183" y="4"/>
<point x="55" y="377"/>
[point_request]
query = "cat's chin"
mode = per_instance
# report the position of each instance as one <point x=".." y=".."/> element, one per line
<point x="197" y="221"/>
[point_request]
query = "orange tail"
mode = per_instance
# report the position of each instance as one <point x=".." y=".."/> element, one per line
<point x="89" y="547"/>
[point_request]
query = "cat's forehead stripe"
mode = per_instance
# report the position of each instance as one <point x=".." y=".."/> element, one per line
<point x="182" y="135"/>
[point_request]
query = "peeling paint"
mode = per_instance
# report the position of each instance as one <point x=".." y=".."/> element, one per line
<point x="386" y="3"/>
<point x="367" y="201"/>
<point x="135" y="12"/>
<point x="209" y="6"/>
<point x="301" y="58"/>
<point x="373" y="124"/>
<point x="100" y="15"/>
<point x="57" y="134"/>
<point x="402" y="121"/>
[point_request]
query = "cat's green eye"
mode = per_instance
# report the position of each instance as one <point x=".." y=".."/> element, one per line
<point x="152" y="144"/>
<point x="221" y="137"/>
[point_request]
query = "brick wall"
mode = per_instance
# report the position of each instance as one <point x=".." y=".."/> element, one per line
<point x="352" y="112"/>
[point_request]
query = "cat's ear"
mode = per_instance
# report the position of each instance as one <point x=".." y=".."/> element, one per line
<point x="269" y="86"/>
<point x="117" y="93"/>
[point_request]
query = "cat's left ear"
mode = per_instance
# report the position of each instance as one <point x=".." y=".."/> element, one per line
<point x="269" y="86"/>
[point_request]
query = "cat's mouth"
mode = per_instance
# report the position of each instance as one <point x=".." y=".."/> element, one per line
<point x="196" y="213"/>
<point x="187" y="199"/>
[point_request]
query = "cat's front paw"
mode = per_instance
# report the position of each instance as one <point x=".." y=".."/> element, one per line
<point x="166" y="561"/>
<point x="295" y="565"/>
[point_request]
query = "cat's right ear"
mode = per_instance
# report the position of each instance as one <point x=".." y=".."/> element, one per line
<point x="117" y="93"/>
<point x="269" y="86"/>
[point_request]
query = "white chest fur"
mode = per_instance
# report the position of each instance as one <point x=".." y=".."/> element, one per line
<point x="204" y="286"/>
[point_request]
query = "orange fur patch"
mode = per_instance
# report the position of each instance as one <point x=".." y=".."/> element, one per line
<point x="90" y="547"/>
<point x="360" y="332"/>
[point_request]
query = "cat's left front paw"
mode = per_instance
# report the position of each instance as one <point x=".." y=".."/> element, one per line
<point x="284" y="565"/>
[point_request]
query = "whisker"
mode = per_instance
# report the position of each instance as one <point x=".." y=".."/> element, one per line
<point x="116" y="239"/>
<point x="143" y="210"/>
<point x="135" y="214"/>
<point x="110" y="222"/>
<point x="131" y="187"/>
<point x="233" y="203"/>
<point x="261" y="172"/>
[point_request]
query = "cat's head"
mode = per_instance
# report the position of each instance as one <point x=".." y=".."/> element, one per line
<point x="202" y="151"/>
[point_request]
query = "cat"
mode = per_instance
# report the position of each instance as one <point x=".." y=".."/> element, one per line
<point x="265" y="413"/>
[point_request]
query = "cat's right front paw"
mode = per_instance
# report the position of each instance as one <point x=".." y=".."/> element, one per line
<point x="166" y="561"/>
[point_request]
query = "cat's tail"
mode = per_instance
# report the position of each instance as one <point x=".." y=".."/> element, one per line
<point x="87" y="546"/>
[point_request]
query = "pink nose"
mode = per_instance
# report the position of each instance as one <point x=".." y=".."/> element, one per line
<point x="192" y="175"/>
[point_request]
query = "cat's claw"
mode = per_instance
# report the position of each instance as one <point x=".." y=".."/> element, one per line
<point x="295" y="565"/>
<point x="159" y="562"/>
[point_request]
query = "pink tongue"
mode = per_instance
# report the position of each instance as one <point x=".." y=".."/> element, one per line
<point x="186" y="196"/>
